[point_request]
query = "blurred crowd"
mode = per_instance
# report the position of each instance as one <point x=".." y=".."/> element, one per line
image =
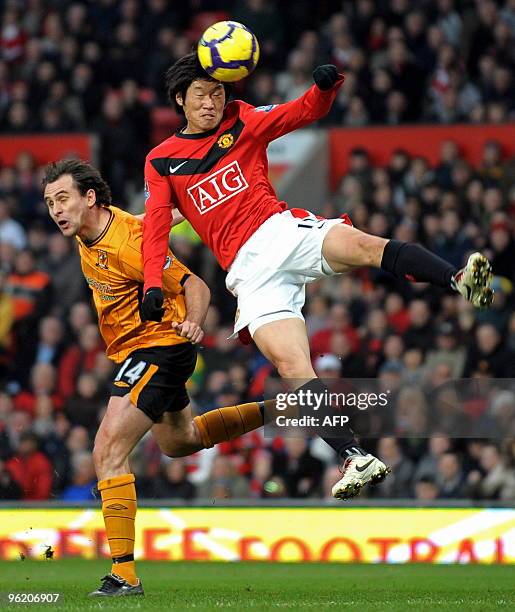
<point x="99" y="66"/>
<point x="62" y="68"/>
<point x="411" y="337"/>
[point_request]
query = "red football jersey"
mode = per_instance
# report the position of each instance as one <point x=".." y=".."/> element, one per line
<point x="219" y="179"/>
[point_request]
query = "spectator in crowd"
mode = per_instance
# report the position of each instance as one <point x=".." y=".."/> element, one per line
<point x="298" y="469"/>
<point x="261" y="473"/>
<point x="449" y="476"/>
<point x="398" y="482"/>
<point x="426" y="489"/>
<point x="83" y="479"/>
<point x="428" y="463"/>
<point x="11" y="231"/>
<point x="9" y="488"/>
<point x="31" y="469"/>
<point x="42" y="383"/>
<point x="447" y="350"/>
<point x="328" y="366"/>
<point x="43" y="422"/>
<point x="30" y="290"/>
<point x="50" y="345"/>
<point x="82" y="407"/>
<point x="419" y="334"/>
<point x="171" y="482"/>
<point x="224" y="482"/>
<point x="80" y="356"/>
<point x="494" y="480"/>
<point x="338" y="322"/>
<point x="488" y="355"/>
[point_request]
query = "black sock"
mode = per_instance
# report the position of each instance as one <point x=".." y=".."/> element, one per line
<point x="346" y="445"/>
<point x="413" y="262"/>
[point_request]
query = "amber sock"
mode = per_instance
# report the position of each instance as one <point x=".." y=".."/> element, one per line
<point x="119" y="510"/>
<point x="230" y="422"/>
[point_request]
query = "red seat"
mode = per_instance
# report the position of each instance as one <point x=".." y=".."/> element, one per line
<point x="165" y="122"/>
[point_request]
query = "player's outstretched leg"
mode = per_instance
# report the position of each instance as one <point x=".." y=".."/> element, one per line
<point x="346" y="247"/>
<point x="358" y="468"/>
<point x="285" y="344"/>
<point x="122" y="427"/>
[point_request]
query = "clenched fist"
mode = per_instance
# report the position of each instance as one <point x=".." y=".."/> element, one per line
<point x="325" y="76"/>
<point x="152" y="305"/>
<point x="190" y="330"/>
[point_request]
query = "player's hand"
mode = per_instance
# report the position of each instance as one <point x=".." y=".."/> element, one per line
<point x="152" y="305"/>
<point x="325" y="76"/>
<point x="190" y="330"/>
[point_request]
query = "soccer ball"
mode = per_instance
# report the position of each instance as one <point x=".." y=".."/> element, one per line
<point x="228" y="51"/>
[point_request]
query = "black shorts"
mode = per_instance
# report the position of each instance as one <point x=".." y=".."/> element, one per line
<point x="156" y="378"/>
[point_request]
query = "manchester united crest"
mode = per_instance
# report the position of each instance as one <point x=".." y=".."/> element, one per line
<point x="225" y="141"/>
<point x="102" y="260"/>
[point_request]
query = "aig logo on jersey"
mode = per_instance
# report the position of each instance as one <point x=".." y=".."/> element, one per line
<point x="218" y="187"/>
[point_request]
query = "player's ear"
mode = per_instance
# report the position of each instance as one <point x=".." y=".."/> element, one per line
<point x="178" y="99"/>
<point x="91" y="194"/>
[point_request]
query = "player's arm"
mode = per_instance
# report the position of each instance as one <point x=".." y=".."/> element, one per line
<point x="156" y="229"/>
<point x="196" y="297"/>
<point x="176" y="217"/>
<point x="268" y="123"/>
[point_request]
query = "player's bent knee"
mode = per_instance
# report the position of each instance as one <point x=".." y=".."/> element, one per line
<point x="294" y="366"/>
<point x="180" y="449"/>
<point x="347" y="246"/>
<point x="371" y="249"/>
<point x="183" y="444"/>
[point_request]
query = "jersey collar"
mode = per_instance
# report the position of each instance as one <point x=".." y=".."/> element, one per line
<point x="102" y="234"/>
<point x="180" y="134"/>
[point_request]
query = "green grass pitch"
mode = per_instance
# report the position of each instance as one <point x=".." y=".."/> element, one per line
<point x="266" y="586"/>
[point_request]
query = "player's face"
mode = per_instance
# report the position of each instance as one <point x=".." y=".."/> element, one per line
<point x="203" y="106"/>
<point x="67" y="206"/>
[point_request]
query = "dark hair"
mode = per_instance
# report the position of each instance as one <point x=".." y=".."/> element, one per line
<point x="182" y="74"/>
<point x="84" y="176"/>
<point x="29" y="436"/>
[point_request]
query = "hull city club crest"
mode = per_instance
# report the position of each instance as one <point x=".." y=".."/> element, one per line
<point x="102" y="260"/>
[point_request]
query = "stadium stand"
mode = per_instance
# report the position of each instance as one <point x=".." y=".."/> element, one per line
<point x="442" y="62"/>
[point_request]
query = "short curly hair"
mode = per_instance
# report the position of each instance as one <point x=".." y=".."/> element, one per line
<point x="84" y="175"/>
<point x="182" y="74"/>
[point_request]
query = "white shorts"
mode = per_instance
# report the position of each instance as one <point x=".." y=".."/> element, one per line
<point x="270" y="271"/>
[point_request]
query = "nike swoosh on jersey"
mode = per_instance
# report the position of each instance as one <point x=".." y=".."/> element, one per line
<point x="173" y="169"/>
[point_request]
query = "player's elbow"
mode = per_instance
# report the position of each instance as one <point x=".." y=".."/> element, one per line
<point x="204" y="291"/>
<point x="197" y="288"/>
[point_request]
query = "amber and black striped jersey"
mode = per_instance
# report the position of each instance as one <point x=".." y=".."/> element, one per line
<point x="113" y="268"/>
